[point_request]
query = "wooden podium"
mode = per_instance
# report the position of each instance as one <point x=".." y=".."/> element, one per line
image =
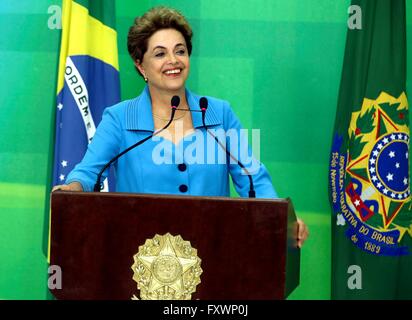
<point x="247" y="247"/>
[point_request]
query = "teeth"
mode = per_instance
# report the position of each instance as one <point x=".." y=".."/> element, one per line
<point x="173" y="71"/>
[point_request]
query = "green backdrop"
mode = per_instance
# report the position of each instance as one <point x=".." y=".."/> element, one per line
<point x="277" y="62"/>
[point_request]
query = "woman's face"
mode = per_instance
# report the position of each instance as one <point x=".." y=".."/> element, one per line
<point x="166" y="62"/>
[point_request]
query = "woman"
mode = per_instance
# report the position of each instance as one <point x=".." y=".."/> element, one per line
<point x="160" y="45"/>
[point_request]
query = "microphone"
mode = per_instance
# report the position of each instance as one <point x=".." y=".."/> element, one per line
<point x="175" y="101"/>
<point x="203" y="103"/>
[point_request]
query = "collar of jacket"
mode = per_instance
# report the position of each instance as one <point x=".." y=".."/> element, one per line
<point x="139" y="112"/>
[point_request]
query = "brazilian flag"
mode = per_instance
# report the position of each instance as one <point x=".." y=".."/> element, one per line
<point x="88" y="82"/>
<point x="88" y="79"/>
<point x="369" y="180"/>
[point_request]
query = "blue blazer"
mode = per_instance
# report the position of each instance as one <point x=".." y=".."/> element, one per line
<point x="195" y="166"/>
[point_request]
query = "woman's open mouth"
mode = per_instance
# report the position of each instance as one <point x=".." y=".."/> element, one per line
<point x="173" y="72"/>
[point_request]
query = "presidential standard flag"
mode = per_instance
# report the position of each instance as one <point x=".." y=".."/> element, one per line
<point x="369" y="182"/>
<point x="88" y="79"/>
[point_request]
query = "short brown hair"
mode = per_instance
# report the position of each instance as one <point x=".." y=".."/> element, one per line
<point x="156" y="19"/>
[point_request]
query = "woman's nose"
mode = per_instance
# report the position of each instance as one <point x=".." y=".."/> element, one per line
<point x="172" y="58"/>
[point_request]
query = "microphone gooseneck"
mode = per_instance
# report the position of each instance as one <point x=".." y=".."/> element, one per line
<point x="203" y="103"/>
<point x="175" y="101"/>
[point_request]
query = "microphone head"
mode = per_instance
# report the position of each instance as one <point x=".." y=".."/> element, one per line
<point x="175" y="102"/>
<point x="203" y="103"/>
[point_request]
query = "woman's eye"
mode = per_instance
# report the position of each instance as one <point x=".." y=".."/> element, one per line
<point x="159" y="54"/>
<point x="181" y="52"/>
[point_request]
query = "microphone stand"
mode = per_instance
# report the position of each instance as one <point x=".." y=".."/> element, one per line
<point x="203" y="107"/>
<point x="97" y="186"/>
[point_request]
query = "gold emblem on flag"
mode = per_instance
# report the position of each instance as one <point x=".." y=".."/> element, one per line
<point x="166" y="268"/>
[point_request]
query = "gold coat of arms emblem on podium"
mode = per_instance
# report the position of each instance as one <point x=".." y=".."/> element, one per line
<point x="166" y="268"/>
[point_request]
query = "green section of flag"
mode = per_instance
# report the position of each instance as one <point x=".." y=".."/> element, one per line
<point x="103" y="10"/>
<point x="374" y="62"/>
<point x="375" y="55"/>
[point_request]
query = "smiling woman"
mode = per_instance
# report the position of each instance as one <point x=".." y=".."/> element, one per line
<point x="159" y="43"/>
<point x="165" y="67"/>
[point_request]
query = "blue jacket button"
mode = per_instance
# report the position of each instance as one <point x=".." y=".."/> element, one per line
<point x="182" y="167"/>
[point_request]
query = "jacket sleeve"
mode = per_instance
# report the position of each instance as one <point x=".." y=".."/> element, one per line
<point x="104" y="146"/>
<point x="238" y="146"/>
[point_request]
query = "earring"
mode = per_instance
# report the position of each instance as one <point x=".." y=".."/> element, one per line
<point x="145" y="78"/>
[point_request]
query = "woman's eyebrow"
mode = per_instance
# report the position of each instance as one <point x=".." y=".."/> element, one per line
<point x="161" y="47"/>
<point x="158" y="47"/>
